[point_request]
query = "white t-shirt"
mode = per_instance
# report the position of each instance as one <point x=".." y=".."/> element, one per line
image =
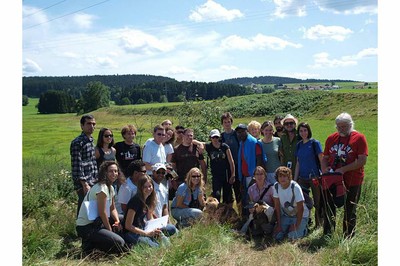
<point x="154" y="153"/>
<point x="126" y="192"/>
<point x="285" y="198"/>
<point x="96" y="189"/>
<point x="162" y="198"/>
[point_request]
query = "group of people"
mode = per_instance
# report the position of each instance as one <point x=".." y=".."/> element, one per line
<point x="275" y="162"/>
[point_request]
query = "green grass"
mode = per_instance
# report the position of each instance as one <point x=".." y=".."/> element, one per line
<point x="49" y="202"/>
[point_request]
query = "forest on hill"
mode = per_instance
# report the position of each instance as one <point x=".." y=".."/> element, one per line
<point x="276" y="80"/>
<point x="128" y="89"/>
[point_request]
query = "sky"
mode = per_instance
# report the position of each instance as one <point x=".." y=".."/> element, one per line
<point x="201" y="40"/>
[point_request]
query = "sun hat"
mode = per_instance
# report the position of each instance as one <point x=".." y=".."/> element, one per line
<point x="289" y="117"/>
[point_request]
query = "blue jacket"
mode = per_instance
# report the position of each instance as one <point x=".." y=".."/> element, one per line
<point x="249" y="155"/>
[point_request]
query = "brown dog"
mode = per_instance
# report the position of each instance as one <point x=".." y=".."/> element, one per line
<point x="263" y="219"/>
<point x="221" y="213"/>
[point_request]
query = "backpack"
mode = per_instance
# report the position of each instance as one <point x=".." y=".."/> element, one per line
<point x="307" y="199"/>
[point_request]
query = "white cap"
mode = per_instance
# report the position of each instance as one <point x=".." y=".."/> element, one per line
<point x="215" y="132"/>
<point x="158" y="166"/>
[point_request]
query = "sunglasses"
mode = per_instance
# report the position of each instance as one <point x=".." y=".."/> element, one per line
<point x="288" y="123"/>
<point x="161" y="172"/>
<point x="179" y="132"/>
<point x="215" y="137"/>
<point x="108" y="136"/>
<point x="161" y="134"/>
<point x="196" y="176"/>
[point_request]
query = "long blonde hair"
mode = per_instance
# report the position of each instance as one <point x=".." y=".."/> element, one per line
<point x="188" y="179"/>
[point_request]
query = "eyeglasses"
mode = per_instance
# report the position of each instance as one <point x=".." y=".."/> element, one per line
<point x="108" y="136"/>
<point x="161" y="134"/>
<point x="196" y="176"/>
<point x="215" y="137"/>
<point x="289" y="123"/>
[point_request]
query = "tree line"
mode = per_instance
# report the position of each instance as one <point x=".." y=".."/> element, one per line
<point x="95" y="94"/>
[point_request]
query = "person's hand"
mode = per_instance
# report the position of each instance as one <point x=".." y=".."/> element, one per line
<point x="85" y="188"/>
<point x="340" y="170"/>
<point x="277" y="229"/>
<point x="292" y="228"/>
<point x="251" y="210"/>
<point x="232" y="180"/>
<point x="156" y="232"/>
<point x="116" y="227"/>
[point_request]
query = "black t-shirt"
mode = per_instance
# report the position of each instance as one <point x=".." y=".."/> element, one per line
<point x="125" y="154"/>
<point x="140" y="212"/>
<point x="186" y="160"/>
<point x="218" y="159"/>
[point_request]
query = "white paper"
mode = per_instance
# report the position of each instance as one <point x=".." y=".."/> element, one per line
<point x="156" y="223"/>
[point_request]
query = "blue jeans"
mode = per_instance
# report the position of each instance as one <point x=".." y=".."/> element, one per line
<point x="184" y="216"/>
<point x="169" y="230"/>
<point x="286" y="222"/>
<point x="134" y="239"/>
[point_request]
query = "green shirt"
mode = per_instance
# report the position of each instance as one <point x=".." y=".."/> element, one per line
<point x="289" y="149"/>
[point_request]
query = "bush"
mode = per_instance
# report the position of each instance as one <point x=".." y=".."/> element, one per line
<point x="25" y="100"/>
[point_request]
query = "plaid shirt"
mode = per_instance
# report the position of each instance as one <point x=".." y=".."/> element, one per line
<point x="83" y="161"/>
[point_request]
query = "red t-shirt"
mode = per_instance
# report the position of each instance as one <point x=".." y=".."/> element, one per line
<point x="345" y="150"/>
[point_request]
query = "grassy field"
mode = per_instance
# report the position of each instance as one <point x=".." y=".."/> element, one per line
<point x="49" y="235"/>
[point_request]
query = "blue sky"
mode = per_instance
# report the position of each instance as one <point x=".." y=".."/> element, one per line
<point x="201" y="40"/>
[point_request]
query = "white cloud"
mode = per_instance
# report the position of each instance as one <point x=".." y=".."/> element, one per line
<point x="303" y="75"/>
<point x="30" y="67"/>
<point x="105" y="62"/>
<point x="228" y="68"/>
<point x="138" y="42"/>
<point x="365" y="53"/>
<point x="214" y="12"/>
<point x="290" y="8"/>
<point x="348" y="7"/>
<point x="83" y="20"/>
<point x="175" y="70"/>
<point x="322" y="60"/>
<point x="259" y="41"/>
<point x="320" y="32"/>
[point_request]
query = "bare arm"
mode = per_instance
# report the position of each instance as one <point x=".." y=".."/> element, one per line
<point x="358" y="163"/>
<point x="179" y="202"/>
<point x="101" y="207"/>
<point x="297" y="170"/>
<point x="203" y="167"/>
<point x="231" y="165"/>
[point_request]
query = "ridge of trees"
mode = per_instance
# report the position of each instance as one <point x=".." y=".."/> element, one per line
<point x="276" y="80"/>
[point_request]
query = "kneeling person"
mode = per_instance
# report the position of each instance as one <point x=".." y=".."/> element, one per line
<point x="291" y="212"/>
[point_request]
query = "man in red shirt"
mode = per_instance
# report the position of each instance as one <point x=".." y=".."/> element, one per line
<point x="345" y="152"/>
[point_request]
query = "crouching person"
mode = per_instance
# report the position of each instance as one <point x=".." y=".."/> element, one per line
<point x="139" y="209"/>
<point x="291" y="212"/>
<point x="103" y="232"/>
<point x="189" y="200"/>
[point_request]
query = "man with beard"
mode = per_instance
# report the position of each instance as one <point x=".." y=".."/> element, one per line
<point x="345" y="152"/>
<point x="83" y="160"/>
<point x="289" y="141"/>
<point x="278" y="126"/>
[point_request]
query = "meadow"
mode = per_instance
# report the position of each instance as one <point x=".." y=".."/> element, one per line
<point x="49" y="202"/>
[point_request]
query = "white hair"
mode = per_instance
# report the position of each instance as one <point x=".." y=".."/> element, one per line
<point x="345" y="118"/>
